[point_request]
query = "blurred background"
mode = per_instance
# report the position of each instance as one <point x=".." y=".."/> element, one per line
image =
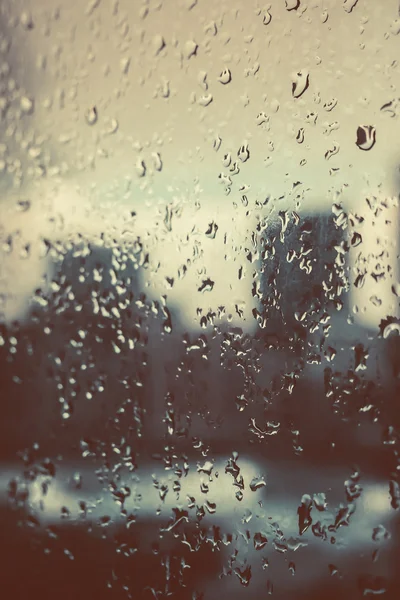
<point x="199" y="320"/>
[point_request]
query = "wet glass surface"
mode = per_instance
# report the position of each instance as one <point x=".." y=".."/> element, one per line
<point x="199" y="299"/>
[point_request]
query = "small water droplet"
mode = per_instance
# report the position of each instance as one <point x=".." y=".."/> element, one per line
<point x="157" y="161"/>
<point x="260" y="540"/>
<point x="391" y="108"/>
<point x="324" y="16"/>
<point x="205" y="100"/>
<point x="257" y="483"/>
<point x="26" y="20"/>
<point x="332" y="151"/>
<point x="267" y="18"/>
<point x="243" y="153"/>
<point x="27" y="105"/>
<point x="158" y="44"/>
<point x="140" y="168"/>
<point x="244" y="575"/>
<point x="225" y="76"/>
<point x="300" y="83"/>
<point x="395" y="27"/>
<point x="380" y="534"/>
<point x="300" y="136"/>
<point x="91" y="116"/>
<point x="292" y="4"/>
<point x="190" y="48"/>
<point x="349" y="5"/>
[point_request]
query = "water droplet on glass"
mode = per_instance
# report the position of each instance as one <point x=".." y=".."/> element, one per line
<point x="27" y="105"/>
<point x="158" y="44"/>
<point x="140" y="168"/>
<point x="366" y="137"/>
<point x="304" y="513"/>
<point x="190" y="48"/>
<point x="330" y="105"/>
<point x="157" y="161"/>
<point x="225" y="77"/>
<point x="243" y="153"/>
<point x="205" y="100"/>
<point x="262" y="118"/>
<point x="257" y="483"/>
<point x="300" y="136"/>
<point x="267" y="18"/>
<point x="91" y="116"/>
<point x="380" y="534"/>
<point x="244" y="575"/>
<point x="324" y="16"/>
<point x="300" y="83"/>
<point x="292" y="4"/>
<point x="26" y="20"/>
<point x="260" y="540"/>
<point x="390" y="329"/>
<point x="349" y="5"/>
<point x="332" y="151"/>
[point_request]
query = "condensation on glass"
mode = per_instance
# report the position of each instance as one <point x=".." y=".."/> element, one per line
<point x="199" y="298"/>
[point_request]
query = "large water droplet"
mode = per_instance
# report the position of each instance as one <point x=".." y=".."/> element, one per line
<point x="366" y="137"/>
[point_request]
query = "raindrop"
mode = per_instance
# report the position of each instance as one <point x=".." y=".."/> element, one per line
<point x="267" y="18"/>
<point x="349" y="5"/>
<point x="320" y="501"/>
<point x="158" y="44"/>
<point x="226" y="161"/>
<point x="244" y="575"/>
<point x="275" y="105"/>
<point x="330" y="105"/>
<point x="23" y="205"/>
<point x="217" y="143"/>
<point x="140" y="168"/>
<point x="390" y="329"/>
<point x="370" y="585"/>
<point x="396" y="289"/>
<point x="243" y="153"/>
<point x="125" y="64"/>
<point x="300" y="83"/>
<point x="26" y="20"/>
<point x="205" y="100"/>
<point x="334" y="150"/>
<point x="391" y="108"/>
<point x="366" y="137"/>
<point x="333" y="570"/>
<point x="300" y="136"/>
<point x="225" y="77"/>
<point x="260" y="540"/>
<point x="262" y="118"/>
<point x="257" y="483"/>
<point x="157" y="161"/>
<point x="212" y="230"/>
<point x="395" y="27"/>
<point x="292" y="4"/>
<point x="27" y="105"/>
<point x="304" y="513"/>
<point x="206" y="285"/>
<point x="394" y="491"/>
<point x="311" y="117"/>
<point x="91" y="116"/>
<point x="380" y="534"/>
<point x="190" y="48"/>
